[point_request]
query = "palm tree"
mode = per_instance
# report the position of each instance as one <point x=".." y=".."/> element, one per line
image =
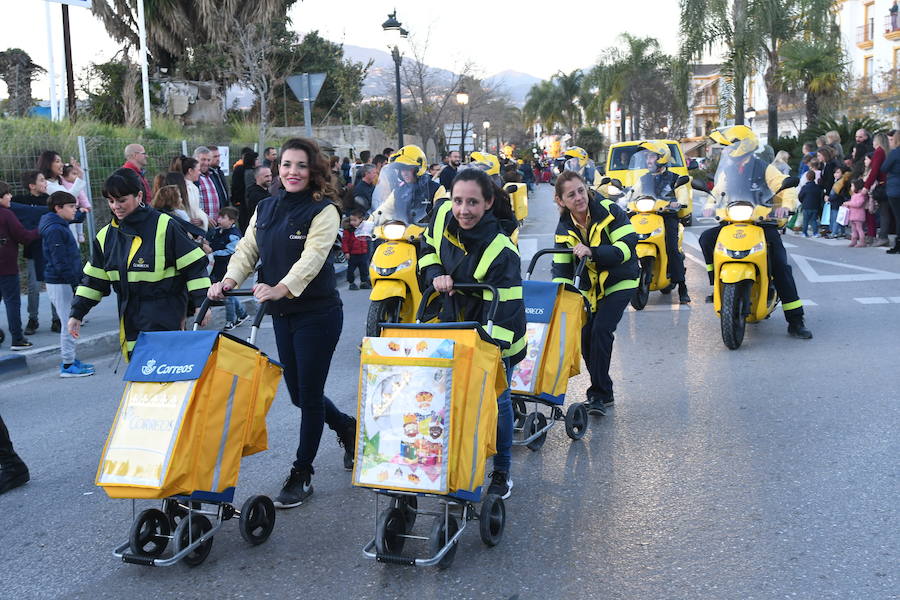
<point x="556" y="103"/>
<point x="17" y="70"/>
<point x="817" y="70"/>
<point x="176" y="27"/>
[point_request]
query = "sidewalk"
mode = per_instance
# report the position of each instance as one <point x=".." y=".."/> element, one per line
<point x="99" y="334"/>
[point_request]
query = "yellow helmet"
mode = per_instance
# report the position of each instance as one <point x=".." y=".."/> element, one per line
<point x="412" y="156"/>
<point x="660" y="148"/>
<point x="740" y="137"/>
<point x="579" y="153"/>
<point x="488" y="163"/>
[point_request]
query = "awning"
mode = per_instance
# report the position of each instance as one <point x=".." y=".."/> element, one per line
<point x="695" y="146"/>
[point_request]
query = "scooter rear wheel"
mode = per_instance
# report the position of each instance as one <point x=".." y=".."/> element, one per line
<point x="733" y="317"/>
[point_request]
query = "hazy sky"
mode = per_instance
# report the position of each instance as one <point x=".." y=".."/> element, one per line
<point x="538" y="38"/>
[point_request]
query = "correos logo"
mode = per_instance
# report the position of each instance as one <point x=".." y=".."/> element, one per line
<point x="164" y="369"/>
<point x="534" y="311"/>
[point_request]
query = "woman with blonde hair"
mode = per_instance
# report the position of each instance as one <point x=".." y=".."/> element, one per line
<point x="781" y="163"/>
<point x="833" y="139"/>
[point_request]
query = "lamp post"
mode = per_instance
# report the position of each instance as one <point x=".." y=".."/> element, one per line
<point x="486" y="124"/>
<point x="394" y="34"/>
<point x="462" y="98"/>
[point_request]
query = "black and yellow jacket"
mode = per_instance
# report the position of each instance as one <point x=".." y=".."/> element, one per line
<point x="613" y="266"/>
<point x="483" y="254"/>
<point x="161" y="266"/>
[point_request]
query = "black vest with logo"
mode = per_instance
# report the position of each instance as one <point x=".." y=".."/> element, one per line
<point x="282" y="225"/>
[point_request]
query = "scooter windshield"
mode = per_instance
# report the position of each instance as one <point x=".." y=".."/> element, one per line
<point x="657" y="181"/>
<point x="741" y="179"/>
<point x="399" y="195"/>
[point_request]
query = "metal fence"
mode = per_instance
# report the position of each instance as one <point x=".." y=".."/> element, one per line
<point x="99" y="156"/>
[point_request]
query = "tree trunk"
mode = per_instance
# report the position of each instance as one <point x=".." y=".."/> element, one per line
<point x="263" y="118"/>
<point x="740" y="15"/>
<point x="738" y="98"/>
<point x="812" y="109"/>
<point x="622" y="117"/>
<point x="772" y="97"/>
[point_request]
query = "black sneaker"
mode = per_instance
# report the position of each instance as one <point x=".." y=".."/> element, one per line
<point x="55" y="326"/>
<point x="347" y="440"/>
<point x="365" y="285"/>
<point x="22" y="344"/>
<point x="683" y="297"/>
<point x="596" y="406"/>
<point x="798" y="329"/>
<point x="353" y="286"/>
<point x="710" y="299"/>
<point x="13" y="477"/>
<point x="31" y="326"/>
<point x="297" y="488"/>
<point x="241" y="320"/>
<point x="501" y="484"/>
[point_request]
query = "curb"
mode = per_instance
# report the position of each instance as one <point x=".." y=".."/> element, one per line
<point x="99" y="345"/>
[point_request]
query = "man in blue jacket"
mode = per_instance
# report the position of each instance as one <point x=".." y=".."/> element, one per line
<point x="62" y="272"/>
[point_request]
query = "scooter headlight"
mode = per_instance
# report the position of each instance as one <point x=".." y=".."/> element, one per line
<point x="740" y="212"/>
<point x="393" y="230"/>
<point x="387" y="271"/>
<point x="645" y="205"/>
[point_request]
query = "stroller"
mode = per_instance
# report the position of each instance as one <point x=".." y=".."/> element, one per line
<point x="556" y="312"/>
<point x="195" y="402"/>
<point x="427" y="423"/>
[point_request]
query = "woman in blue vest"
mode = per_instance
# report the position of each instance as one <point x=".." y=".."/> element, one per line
<point x="465" y="243"/>
<point x="291" y="234"/>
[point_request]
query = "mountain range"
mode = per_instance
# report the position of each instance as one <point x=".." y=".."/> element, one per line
<point x="514" y="83"/>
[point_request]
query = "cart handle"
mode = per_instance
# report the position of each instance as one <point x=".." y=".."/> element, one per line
<point x="492" y="309"/>
<point x="257" y="319"/>
<point x="579" y="268"/>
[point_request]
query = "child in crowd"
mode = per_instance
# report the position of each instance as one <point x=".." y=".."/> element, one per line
<point x="811" y="200"/>
<point x="857" y="209"/>
<point x="62" y="272"/>
<point x="840" y="193"/>
<point x="357" y="251"/>
<point x="69" y="176"/>
<point x="224" y="240"/>
<point x="29" y="209"/>
<point x="11" y="235"/>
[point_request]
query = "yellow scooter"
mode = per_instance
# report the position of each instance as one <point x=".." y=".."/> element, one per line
<point x="743" y="289"/>
<point x="647" y="219"/>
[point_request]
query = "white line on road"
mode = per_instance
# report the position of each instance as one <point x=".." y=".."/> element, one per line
<point x="861" y="274"/>
<point x="691" y="239"/>
<point x="699" y="261"/>
<point x="662" y="308"/>
<point x="873" y="300"/>
<point x="808" y="302"/>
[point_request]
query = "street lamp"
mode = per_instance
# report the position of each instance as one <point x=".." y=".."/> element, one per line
<point x="394" y="35"/>
<point x="462" y="98"/>
<point x="750" y="113"/>
<point x="486" y="124"/>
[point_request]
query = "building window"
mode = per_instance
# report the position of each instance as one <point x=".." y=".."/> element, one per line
<point x="868" y="68"/>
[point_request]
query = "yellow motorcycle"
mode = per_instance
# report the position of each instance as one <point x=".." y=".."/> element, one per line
<point x="400" y="202"/>
<point x="743" y="289"/>
<point x="647" y="219"/>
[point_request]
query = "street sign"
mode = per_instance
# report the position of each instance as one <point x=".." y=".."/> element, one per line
<point x="81" y="3"/>
<point x="306" y="87"/>
<point x="451" y="135"/>
<point x="298" y="85"/>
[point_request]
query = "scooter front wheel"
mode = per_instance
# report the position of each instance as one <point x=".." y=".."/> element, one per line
<point x="642" y="291"/>
<point x="382" y="311"/>
<point x="733" y="314"/>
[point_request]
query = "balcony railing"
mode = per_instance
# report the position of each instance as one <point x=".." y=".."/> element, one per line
<point x="891" y="23"/>
<point x="866" y="33"/>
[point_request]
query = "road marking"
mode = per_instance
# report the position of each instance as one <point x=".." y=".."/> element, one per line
<point x="692" y="240"/>
<point x="873" y="300"/>
<point x="895" y="299"/>
<point x="863" y="273"/>
<point x="661" y="308"/>
<point x="788" y="245"/>
<point x="699" y="261"/>
<point x="808" y="302"/>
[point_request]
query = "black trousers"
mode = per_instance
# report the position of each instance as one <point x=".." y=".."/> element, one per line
<point x="597" y="338"/>
<point x="358" y="262"/>
<point x="8" y="456"/>
<point x="675" y="259"/>
<point x="782" y="274"/>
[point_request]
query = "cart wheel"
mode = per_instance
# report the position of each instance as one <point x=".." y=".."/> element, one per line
<point x="149" y="534"/>
<point x="257" y="519"/>
<point x="174" y="511"/>
<point x="576" y="420"/>
<point x="409" y="505"/>
<point x="390" y="531"/>
<point x="492" y="519"/>
<point x="438" y="537"/>
<point x="534" y="422"/>
<point x="190" y="530"/>
<point x="520" y="411"/>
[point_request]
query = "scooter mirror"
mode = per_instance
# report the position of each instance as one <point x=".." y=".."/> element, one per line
<point x="789" y="182"/>
<point x="683" y="180"/>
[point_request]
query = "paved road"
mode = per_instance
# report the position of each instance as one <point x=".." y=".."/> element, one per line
<point x="767" y="472"/>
